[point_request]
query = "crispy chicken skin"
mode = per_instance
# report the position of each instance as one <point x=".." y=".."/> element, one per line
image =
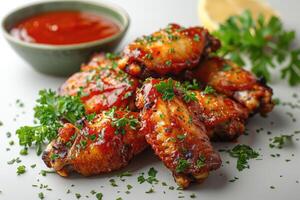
<point x="102" y="85"/>
<point x="167" y="51"/>
<point x="181" y="144"/>
<point x="223" y="118"/>
<point x="235" y="82"/>
<point x="99" y="147"/>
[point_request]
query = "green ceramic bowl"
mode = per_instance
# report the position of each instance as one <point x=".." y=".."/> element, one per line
<point x="63" y="60"/>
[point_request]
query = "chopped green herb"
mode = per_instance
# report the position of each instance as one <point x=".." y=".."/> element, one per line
<point x="141" y="179"/>
<point x="41" y="195"/>
<point x="243" y="153"/>
<point x="78" y="196"/>
<point x="151" y="177"/>
<point x="226" y="67"/>
<point x="45" y="172"/>
<point x="196" y="38"/>
<point x="181" y="137"/>
<point x="189" y="96"/>
<point x="151" y="190"/>
<point x="90" y="117"/>
<point x="182" y="165"/>
<point x="54" y="156"/>
<point x="200" y="162"/>
<point x="166" y="89"/>
<point x="279" y="141"/>
<point x="14" y="160"/>
<point x="169" y="63"/>
<point x="171" y="188"/>
<point x="276" y="101"/>
<point x="24" y="152"/>
<point x="8" y="134"/>
<point x="21" y="169"/>
<point x="209" y="90"/>
<point x="99" y="196"/>
<point x="93" y="192"/>
<point x="113" y="182"/>
<point x="123" y="174"/>
<point x="129" y="187"/>
<point x="111" y="56"/>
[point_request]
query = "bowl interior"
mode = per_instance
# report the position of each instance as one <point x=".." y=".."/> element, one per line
<point x="112" y="12"/>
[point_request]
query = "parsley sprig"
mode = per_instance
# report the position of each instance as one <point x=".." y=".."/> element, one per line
<point x="50" y="111"/>
<point x="264" y="42"/>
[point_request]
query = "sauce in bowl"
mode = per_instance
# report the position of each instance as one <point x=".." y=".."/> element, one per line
<point x="64" y="27"/>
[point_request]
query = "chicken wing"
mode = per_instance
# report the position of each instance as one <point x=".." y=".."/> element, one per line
<point x="167" y="51"/>
<point x="102" y="145"/>
<point x="223" y="118"/>
<point x="101" y="85"/>
<point x="235" y="82"/>
<point x="181" y="144"/>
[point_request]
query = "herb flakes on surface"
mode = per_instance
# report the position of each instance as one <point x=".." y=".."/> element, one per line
<point x="279" y="141"/>
<point x="243" y="153"/>
<point x="21" y="169"/>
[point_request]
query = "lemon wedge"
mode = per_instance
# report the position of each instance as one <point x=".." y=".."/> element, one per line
<point x="214" y="12"/>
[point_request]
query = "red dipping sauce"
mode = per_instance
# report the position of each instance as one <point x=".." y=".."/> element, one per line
<point x="64" y="27"/>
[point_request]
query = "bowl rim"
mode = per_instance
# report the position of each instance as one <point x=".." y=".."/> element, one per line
<point x="100" y="3"/>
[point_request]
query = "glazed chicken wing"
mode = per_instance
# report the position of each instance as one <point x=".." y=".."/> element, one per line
<point x="101" y="85"/>
<point x="181" y="144"/>
<point x="102" y="145"/>
<point x="167" y="51"/>
<point x="235" y="82"/>
<point x="223" y="118"/>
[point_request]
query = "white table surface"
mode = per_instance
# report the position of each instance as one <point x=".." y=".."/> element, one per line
<point x="19" y="81"/>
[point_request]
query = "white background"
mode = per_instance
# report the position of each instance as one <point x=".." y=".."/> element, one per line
<point x="19" y="81"/>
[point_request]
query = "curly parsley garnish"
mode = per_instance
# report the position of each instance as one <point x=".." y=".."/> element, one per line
<point x="50" y="110"/>
<point x="265" y="43"/>
<point x="243" y="153"/>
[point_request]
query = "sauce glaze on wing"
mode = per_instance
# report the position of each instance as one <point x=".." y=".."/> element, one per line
<point x="182" y="145"/>
<point x="102" y="85"/>
<point x="100" y="146"/>
<point x="167" y="51"/>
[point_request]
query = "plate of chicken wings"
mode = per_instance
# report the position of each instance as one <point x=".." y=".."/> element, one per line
<point x="166" y="91"/>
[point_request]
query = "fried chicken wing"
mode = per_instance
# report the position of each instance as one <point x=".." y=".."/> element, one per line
<point x="105" y="144"/>
<point x="167" y="51"/>
<point x="223" y="118"/>
<point x="235" y="82"/>
<point x="101" y="85"/>
<point x="181" y="144"/>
